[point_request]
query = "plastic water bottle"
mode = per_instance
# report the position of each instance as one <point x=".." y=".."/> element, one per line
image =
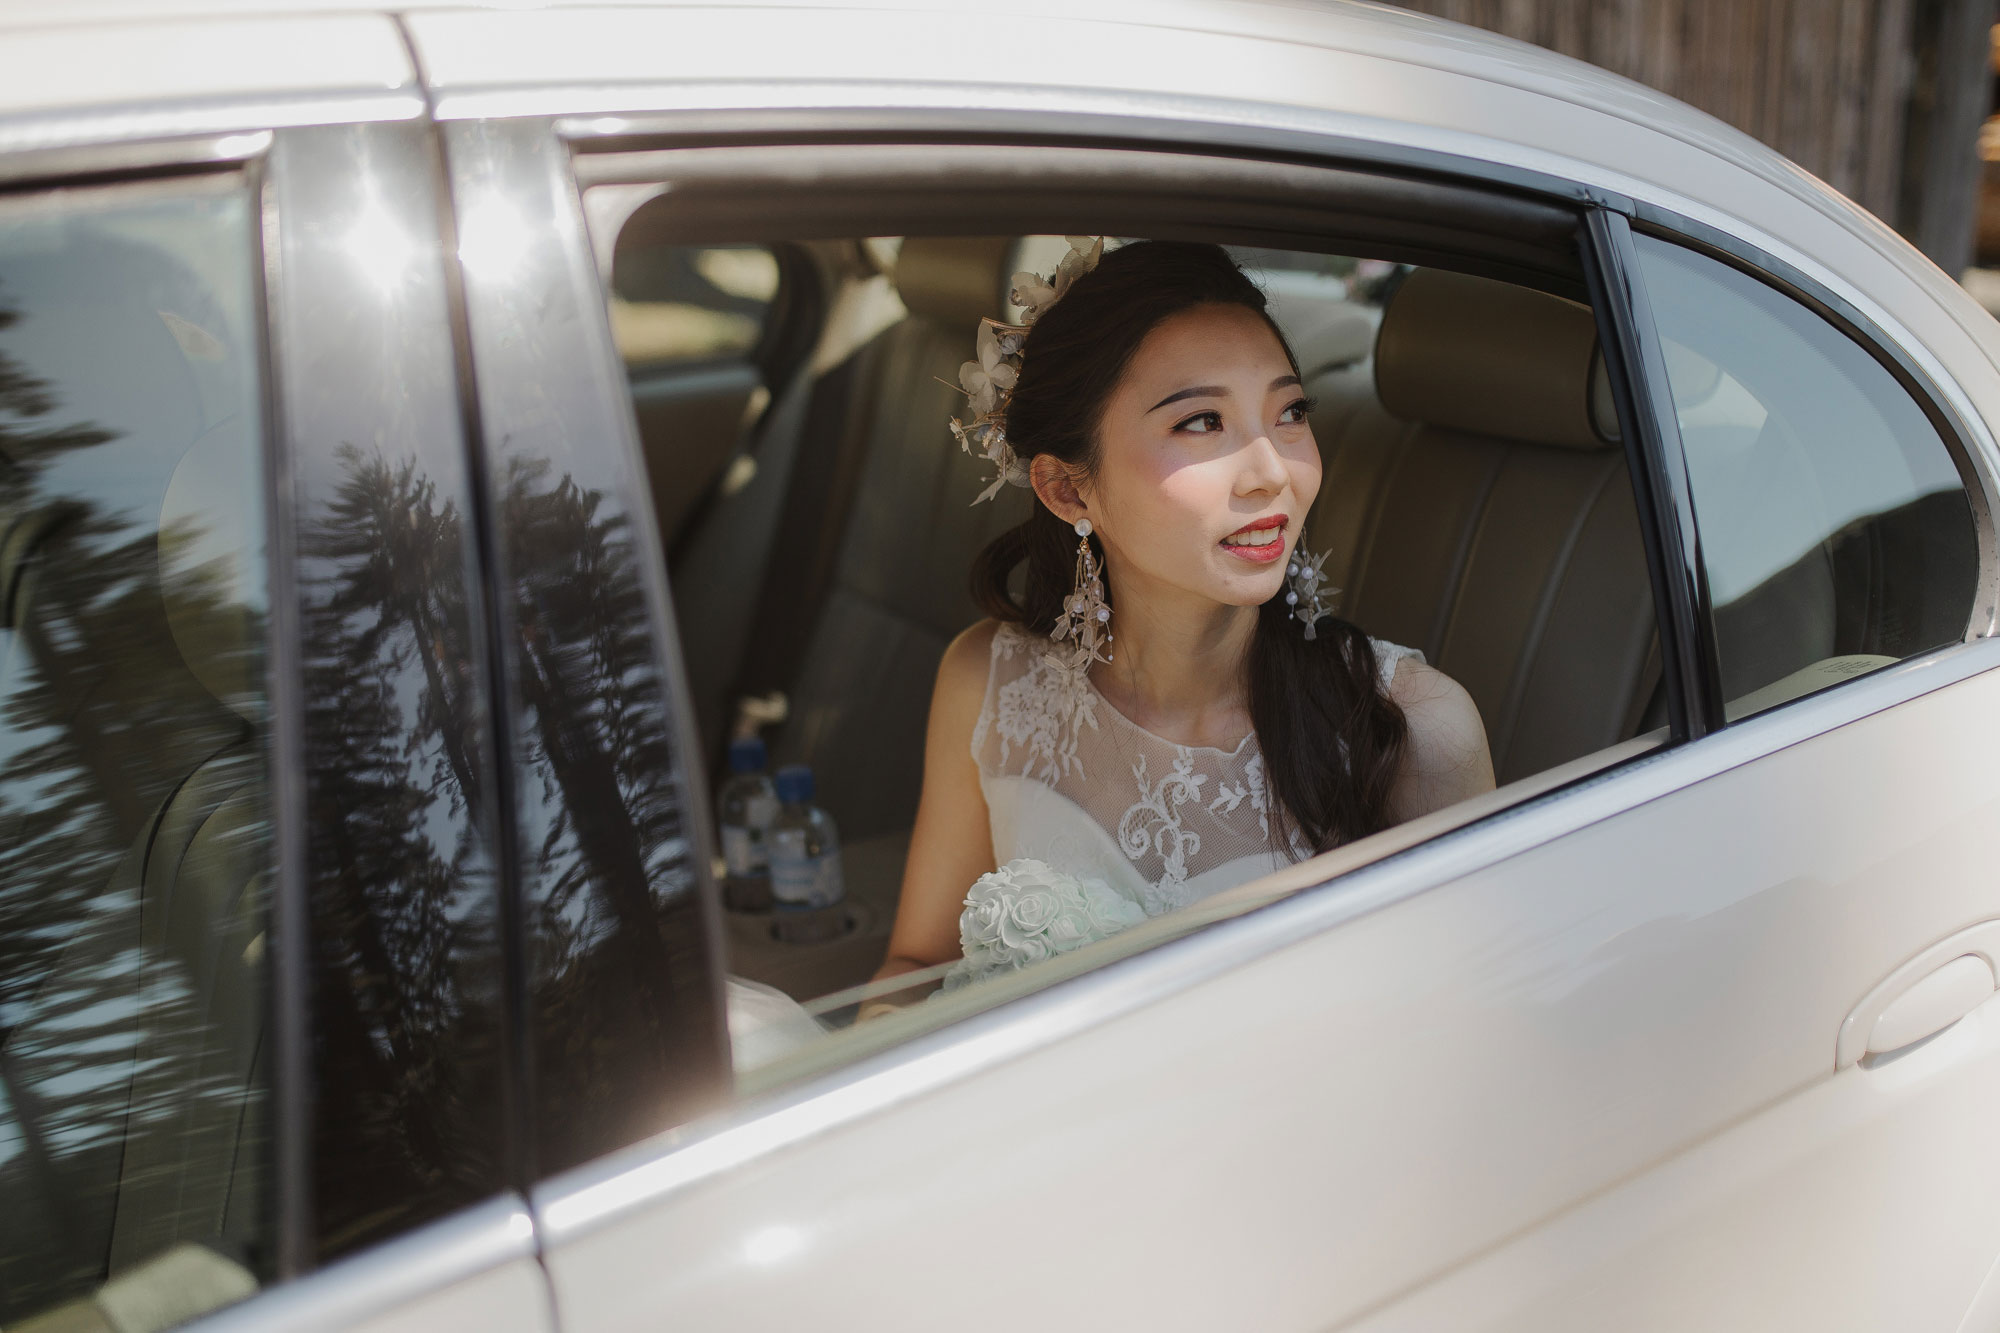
<point x="805" y="862"/>
<point x="749" y="804"/>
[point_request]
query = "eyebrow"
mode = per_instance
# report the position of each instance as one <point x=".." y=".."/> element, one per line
<point x="1217" y="391"/>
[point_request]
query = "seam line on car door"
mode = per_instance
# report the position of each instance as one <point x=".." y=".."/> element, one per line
<point x="490" y="626"/>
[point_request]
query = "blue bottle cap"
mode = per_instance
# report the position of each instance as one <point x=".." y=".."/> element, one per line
<point x="746" y="755"/>
<point x="795" y="784"/>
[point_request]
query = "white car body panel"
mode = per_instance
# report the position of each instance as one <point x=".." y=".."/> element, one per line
<point x="64" y="84"/>
<point x="1342" y="1124"/>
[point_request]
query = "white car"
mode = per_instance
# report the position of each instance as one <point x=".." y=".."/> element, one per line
<point x="429" y="435"/>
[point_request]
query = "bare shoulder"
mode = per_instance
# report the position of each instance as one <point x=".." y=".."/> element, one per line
<point x="961" y="678"/>
<point x="967" y="657"/>
<point x="1427" y="694"/>
<point x="1448" y="758"/>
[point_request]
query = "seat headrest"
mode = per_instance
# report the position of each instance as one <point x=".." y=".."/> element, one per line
<point x="956" y="279"/>
<point x="1489" y="357"/>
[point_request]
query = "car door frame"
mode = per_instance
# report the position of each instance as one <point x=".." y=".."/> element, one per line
<point x="581" y="1200"/>
<point x="589" y="1195"/>
<point x="468" y="1247"/>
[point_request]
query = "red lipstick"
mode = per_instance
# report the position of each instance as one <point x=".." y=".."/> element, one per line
<point x="1259" y="552"/>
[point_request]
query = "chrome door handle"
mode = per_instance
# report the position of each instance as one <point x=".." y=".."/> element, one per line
<point x="1926" y="995"/>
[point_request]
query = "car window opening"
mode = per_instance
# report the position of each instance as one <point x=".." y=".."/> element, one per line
<point x="792" y="398"/>
<point x="816" y="512"/>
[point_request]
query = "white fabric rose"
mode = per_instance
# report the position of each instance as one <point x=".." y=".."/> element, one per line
<point x="1027" y="912"/>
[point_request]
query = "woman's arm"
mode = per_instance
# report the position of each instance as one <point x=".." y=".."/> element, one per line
<point x="1447" y="759"/>
<point x="952" y="843"/>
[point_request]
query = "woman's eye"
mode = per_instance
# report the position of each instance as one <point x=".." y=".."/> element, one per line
<point x="1297" y="412"/>
<point x="1202" y="422"/>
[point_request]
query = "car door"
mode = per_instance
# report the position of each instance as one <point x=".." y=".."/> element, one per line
<point x="1576" y="1061"/>
<point x="252" y="994"/>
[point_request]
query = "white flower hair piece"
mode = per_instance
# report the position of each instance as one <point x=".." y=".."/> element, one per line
<point x="989" y="381"/>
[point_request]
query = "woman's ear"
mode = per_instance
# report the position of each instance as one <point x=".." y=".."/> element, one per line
<point x="1057" y="489"/>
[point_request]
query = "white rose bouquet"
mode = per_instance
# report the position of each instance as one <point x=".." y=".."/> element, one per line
<point x="1027" y="911"/>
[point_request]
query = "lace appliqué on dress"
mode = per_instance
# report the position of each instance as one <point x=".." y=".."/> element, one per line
<point x="1153" y="825"/>
<point x="1045" y="712"/>
<point x="1197" y="808"/>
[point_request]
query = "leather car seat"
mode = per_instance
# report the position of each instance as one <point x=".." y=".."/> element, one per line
<point x="1476" y="505"/>
<point x="858" y="647"/>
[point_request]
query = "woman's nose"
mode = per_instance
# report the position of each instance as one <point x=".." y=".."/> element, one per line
<point x="1263" y="468"/>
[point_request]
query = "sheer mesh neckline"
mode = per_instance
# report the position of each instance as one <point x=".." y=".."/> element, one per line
<point x="1233" y="752"/>
<point x="1161" y="822"/>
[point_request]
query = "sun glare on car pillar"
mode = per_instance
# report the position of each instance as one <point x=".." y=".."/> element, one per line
<point x="492" y="240"/>
<point x="381" y="248"/>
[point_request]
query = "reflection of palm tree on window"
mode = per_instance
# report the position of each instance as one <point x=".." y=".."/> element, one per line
<point x="404" y="921"/>
<point x="101" y="722"/>
<point x="402" y="901"/>
<point x="614" y="865"/>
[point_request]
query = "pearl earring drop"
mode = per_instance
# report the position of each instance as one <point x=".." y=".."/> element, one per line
<point x="1086" y="618"/>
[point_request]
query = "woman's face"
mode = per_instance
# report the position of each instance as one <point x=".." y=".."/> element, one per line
<point x="1206" y="463"/>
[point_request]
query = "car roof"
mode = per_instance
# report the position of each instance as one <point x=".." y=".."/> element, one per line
<point x="1357" y="26"/>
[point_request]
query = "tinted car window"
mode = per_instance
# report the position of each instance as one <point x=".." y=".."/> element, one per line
<point x="624" y="1024"/>
<point x="1835" y="530"/>
<point x="405" y="983"/>
<point x="134" y="839"/>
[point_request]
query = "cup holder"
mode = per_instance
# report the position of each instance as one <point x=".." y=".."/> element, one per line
<point x="816" y="929"/>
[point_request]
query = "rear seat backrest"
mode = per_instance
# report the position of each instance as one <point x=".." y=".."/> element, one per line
<point x="1476" y="506"/>
<point x="898" y="590"/>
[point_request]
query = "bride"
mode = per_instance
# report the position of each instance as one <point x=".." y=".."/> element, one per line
<point x="1166" y="709"/>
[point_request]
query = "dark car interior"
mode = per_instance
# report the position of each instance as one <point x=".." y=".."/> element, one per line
<point x="819" y="530"/>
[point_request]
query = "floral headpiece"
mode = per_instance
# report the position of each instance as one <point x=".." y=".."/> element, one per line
<point x="989" y="381"/>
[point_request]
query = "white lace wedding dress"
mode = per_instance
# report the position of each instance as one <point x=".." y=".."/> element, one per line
<point x="1071" y="782"/>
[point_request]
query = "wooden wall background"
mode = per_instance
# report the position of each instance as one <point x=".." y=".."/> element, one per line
<point x="1882" y="99"/>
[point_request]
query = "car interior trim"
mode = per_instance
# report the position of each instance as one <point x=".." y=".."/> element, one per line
<point x="1955" y="423"/>
<point x="879" y="188"/>
<point x="1637" y="364"/>
<point x="597" y="1193"/>
<point x="386" y="1277"/>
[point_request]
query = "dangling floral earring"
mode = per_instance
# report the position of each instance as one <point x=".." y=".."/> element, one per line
<point x="1086" y="619"/>
<point x="1305" y="587"/>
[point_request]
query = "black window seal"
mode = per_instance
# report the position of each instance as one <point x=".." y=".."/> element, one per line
<point x="291" y="924"/>
<point x="1636" y="364"/>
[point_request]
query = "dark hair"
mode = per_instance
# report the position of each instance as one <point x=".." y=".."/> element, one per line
<point x="1332" y="739"/>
